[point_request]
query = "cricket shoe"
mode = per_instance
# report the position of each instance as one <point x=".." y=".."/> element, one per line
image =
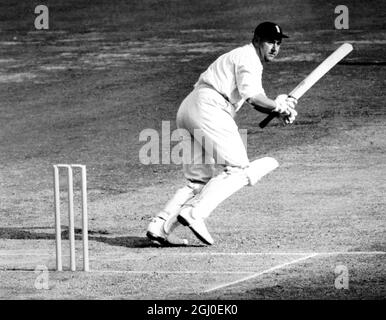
<point x="197" y="225"/>
<point x="156" y="233"/>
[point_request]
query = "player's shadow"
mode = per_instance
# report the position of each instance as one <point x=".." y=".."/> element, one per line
<point x="38" y="233"/>
<point x="35" y="233"/>
<point x="134" y="242"/>
<point x="128" y="241"/>
<point x="25" y="233"/>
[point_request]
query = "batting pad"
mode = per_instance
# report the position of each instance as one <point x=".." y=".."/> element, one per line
<point x="259" y="168"/>
<point x="173" y="207"/>
<point x="227" y="183"/>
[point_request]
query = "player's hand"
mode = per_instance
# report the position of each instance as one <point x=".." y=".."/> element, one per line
<point x="284" y="103"/>
<point x="292" y="102"/>
<point x="291" y="117"/>
<point x="281" y="104"/>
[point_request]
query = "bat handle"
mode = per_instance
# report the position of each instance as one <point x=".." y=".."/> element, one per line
<point x="270" y="117"/>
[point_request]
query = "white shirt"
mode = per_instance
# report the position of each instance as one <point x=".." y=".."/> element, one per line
<point x="236" y="74"/>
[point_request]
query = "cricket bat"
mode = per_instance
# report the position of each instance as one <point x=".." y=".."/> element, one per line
<point x="314" y="77"/>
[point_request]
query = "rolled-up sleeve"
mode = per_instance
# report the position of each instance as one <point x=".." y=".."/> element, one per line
<point x="249" y="73"/>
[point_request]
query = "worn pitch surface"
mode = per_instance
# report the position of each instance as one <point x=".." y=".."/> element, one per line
<point x="83" y="91"/>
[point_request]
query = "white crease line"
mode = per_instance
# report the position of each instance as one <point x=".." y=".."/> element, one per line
<point x="173" y="272"/>
<point x="130" y="256"/>
<point x="226" y="272"/>
<point x="260" y="273"/>
<point x="200" y="254"/>
<point x="142" y="254"/>
<point x="135" y="272"/>
<point x="352" y="253"/>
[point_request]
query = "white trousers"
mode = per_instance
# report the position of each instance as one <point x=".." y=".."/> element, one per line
<point x="214" y="136"/>
<point x="213" y="139"/>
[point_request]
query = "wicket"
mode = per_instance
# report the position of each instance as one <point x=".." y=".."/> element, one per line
<point x="71" y="227"/>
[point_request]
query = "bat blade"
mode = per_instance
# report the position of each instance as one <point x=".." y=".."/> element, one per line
<point x="314" y="76"/>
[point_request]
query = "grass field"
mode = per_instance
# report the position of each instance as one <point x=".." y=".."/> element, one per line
<point x="82" y="92"/>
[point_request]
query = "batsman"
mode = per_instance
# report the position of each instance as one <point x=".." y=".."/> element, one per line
<point x="230" y="82"/>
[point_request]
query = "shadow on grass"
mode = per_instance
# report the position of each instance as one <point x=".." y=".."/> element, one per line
<point x="125" y="241"/>
<point x="23" y="233"/>
<point x="135" y="242"/>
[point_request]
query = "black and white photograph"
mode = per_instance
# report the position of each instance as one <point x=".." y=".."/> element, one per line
<point x="179" y="150"/>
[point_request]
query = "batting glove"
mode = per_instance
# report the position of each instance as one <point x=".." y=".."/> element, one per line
<point x="283" y="103"/>
<point x="291" y="117"/>
<point x="292" y="102"/>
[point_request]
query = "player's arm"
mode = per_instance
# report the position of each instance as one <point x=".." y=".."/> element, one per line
<point x="249" y="83"/>
<point x="262" y="103"/>
<point x="282" y="104"/>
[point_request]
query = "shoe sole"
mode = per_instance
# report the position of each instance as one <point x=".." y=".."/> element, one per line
<point x="185" y="223"/>
<point x="151" y="236"/>
<point x="165" y="242"/>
